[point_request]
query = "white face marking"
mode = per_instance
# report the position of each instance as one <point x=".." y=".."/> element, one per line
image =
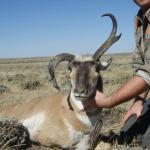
<point x="33" y="123"/>
<point x="83" y="58"/>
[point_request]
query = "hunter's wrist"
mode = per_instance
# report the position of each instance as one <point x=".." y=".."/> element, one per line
<point x="139" y="99"/>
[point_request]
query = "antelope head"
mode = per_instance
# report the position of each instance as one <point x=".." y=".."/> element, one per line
<point x="85" y="71"/>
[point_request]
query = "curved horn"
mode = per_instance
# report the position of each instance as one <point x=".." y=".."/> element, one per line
<point x="53" y="64"/>
<point x="112" y="39"/>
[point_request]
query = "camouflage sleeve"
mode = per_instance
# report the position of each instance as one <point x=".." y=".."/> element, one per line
<point x="144" y="75"/>
<point x="141" y="55"/>
<point x="141" y="68"/>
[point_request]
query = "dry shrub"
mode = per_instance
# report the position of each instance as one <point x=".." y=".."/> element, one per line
<point x="13" y="134"/>
<point x="31" y="85"/>
<point x="3" y="88"/>
<point x="116" y="146"/>
<point x="119" y="78"/>
<point x="16" y="78"/>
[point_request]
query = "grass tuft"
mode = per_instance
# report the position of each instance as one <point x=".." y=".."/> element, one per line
<point x="13" y="134"/>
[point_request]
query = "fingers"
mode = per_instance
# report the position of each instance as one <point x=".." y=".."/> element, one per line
<point x="130" y="113"/>
<point x="126" y="117"/>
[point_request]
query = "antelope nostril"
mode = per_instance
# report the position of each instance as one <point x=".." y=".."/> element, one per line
<point x="83" y="91"/>
<point x="75" y="91"/>
<point x="80" y="91"/>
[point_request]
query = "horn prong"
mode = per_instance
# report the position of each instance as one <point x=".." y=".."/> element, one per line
<point x="111" y="39"/>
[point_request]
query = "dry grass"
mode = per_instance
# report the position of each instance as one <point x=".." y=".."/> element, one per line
<point x="28" y="79"/>
<point x="13" y="134"/>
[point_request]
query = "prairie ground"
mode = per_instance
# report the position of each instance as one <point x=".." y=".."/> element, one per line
<point x="26" y="79"/>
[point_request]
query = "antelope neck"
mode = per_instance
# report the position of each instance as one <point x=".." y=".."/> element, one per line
<point x="78" y="106"/>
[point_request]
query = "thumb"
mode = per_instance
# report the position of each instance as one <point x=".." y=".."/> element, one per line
<point x="126" y="117"/>
<point x="138" y="114"/>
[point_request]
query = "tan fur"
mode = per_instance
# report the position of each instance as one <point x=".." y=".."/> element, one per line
<point x="93" y="73"/>
<point x="53" y="130"/>
<point x="52" y="120"/>
<point x="51" y="107"/>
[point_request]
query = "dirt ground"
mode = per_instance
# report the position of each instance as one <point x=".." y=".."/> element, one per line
<point x="26" y="79"/>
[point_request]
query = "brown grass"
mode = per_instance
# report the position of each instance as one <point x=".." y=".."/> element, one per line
<point x="27" y="79"/>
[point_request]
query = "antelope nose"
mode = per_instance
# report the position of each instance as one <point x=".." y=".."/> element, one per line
<point x="80" y="91"/>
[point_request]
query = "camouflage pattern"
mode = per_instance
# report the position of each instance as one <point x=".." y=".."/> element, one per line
<point x="141" y="55"/>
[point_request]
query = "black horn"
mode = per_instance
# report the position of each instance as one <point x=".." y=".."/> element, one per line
<point x="111" y="39"/>
<point x="53" y="64"/>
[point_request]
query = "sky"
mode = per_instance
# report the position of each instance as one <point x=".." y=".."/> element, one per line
<point x="33" y="28"/>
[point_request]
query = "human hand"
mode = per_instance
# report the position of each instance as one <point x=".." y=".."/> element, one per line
<point x="135" y="109"/>
<point x="98" y="101"/>
<point x="101" y="99"/>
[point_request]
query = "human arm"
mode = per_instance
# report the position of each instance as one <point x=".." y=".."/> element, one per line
<point x="135" y="86"/>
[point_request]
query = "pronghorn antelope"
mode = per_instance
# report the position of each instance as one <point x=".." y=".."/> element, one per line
<point x="64" y="119"/>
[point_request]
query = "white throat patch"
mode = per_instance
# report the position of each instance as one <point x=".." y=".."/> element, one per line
<point x="78" y="103"/>
<point x="85" y="119"/>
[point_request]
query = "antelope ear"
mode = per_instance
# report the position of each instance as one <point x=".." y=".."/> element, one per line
<point x="105" y="65"/>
